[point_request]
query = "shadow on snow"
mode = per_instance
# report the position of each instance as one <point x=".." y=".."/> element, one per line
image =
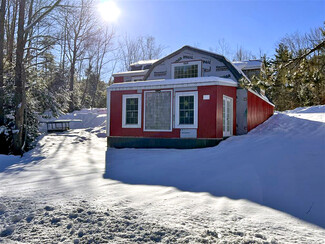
<point x="278" y="164"/>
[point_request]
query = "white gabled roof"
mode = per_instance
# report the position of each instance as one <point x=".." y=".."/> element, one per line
<point x="248" y="64"/>
<point x="142" y="62"/>
<point x="131" y="73"/>
<point x="173" y="83"/>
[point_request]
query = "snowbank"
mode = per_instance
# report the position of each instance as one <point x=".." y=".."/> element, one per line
<point x="90" y="119"/>
<point x="248" y="189"/>
<point x="279" y="164"/>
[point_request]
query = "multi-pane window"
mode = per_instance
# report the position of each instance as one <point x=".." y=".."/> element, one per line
<point x="227" y="115"/>
<point x="158" y="111"/>
<point x="186" y="110"/>
<point x="131" y="111"/>
<point x="131" y="117"/>
<point x="186" y="70"/>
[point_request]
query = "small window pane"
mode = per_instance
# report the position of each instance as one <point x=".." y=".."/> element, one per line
<point x="131" y="111"/>
<point x="186" y="71"/>
<point x="186" y="110"/>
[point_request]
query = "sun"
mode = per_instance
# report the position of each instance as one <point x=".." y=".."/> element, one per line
<point x="109" y="11"/>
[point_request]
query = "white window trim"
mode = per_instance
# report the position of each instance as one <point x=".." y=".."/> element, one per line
<point x="124" y="125"/>
<point x="171" y="111"/>
<point x="199" y="67"/>
<point x="231" y="115"/>
<point x="181" y="94"/>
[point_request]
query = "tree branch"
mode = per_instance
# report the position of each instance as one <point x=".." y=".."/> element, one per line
<point x="42" y="16"/>
<point x="298" y="59"/>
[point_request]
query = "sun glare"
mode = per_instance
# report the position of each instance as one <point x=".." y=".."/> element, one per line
<point x="109" y="11"/>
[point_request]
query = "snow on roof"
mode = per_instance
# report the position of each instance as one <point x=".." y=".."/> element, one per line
<point x="142" y="62"/>
<point x="186" y="82"/>
<point x="131" y="73"/>
<point x="248" y="64"/>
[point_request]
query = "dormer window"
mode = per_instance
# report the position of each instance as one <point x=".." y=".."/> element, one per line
<point x="186" y="70"/>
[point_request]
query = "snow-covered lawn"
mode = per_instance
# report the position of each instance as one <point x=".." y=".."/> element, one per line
<point x="264" y="187"/>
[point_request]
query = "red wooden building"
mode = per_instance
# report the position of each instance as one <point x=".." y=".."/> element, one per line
<point x="191" y="98"/>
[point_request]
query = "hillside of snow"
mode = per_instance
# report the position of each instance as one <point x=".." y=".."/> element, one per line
<point x="263" y="187"/>
<point x="280" y="164"/>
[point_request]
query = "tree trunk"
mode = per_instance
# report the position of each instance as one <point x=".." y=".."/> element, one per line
<point x="72" y="72"/>
<point x="11" y="27"/>
<point x="2" y="25"/>
<point x="95" y="90"/>
<point x="20" y="98"/>
<point x="71" y="87"/>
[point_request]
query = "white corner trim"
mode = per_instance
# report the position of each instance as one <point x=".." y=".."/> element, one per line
<point x="188" y="126"/>
<point x="108" y="116"/>
<point x="199" y="67"/>
<point x="124" y="125"/>
<point x="171" y="111"/>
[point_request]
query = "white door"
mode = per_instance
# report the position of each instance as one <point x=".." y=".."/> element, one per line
<point x="227" y="116"/>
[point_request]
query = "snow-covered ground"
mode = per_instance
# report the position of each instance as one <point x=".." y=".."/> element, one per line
<point x="265" y="187"/>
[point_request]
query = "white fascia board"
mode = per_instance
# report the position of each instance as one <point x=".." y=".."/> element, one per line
<point x="131" y="73"/>
<point x="173" y="83"/>
<point x="251" y="67"/>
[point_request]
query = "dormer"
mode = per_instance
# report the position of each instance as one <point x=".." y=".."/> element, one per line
<point x="137" y="71"/>
<point x="250" y="67"/>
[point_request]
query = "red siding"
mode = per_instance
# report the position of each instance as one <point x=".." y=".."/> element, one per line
<point x="209" y="114"/>
<point x="258" y="110"/>
<point x="116" y="120"/>
<point x="230" y="92"/>
<point x="118" y="79"/>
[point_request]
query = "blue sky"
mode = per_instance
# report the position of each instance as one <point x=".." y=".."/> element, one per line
<point x="254" y="25"/>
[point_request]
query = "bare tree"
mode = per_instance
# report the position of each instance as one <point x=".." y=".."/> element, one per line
<point x="79" y="26"/>
<point x="149" y="48"/>
<point x="222" y="47"/>
<point x="103" y="47"/>
<point x="20" y="79"/>
<point x="11" y="23"/>
<point x="20" y="101"/>
<point x="140" y="48"/>
<point x="242" y="54"/>
<point x="97" y="53"/>
<point x="2" y="25"/>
